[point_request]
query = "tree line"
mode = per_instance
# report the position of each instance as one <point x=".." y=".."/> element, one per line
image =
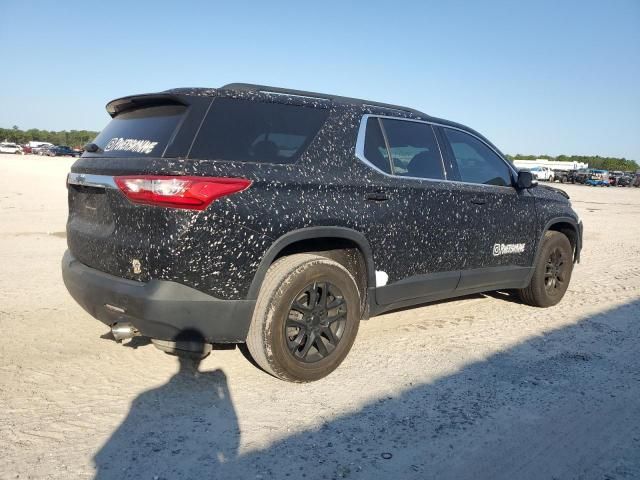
<point x="604" y="163"/>
<point x="72" y="138"/>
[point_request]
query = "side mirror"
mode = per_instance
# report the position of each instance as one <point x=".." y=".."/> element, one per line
<point x="525" y="179"/>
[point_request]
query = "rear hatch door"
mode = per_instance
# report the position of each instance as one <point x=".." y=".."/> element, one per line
<point x="150" y="135"/>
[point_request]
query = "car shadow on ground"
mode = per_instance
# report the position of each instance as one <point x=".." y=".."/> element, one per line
<point x="564" y="404"/>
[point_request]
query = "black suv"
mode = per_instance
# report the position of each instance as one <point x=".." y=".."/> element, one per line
<point x="281" y="218"/>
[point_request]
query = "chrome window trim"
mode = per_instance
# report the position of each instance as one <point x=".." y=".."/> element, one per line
<point x="90" y="180"/>
<point x="360" y="151"/>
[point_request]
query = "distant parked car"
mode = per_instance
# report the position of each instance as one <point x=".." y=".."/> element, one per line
<point x="62" y="151"/>
<point x="597" y="178"/>
<point x="566" y="176"/>
<point x="624" y="181"/>
<point x="582" y="175"/>
<point x="543" y="173"/>
<point x="41" y="149"/>
<point x="11" y="148"/>
<point x="615" y="177"/>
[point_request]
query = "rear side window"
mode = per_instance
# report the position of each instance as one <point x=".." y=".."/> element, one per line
<point x="144" y="132"/>
<point x="375" y="150"/>
<point x="414" y="149"/>
<point x="477" y="163"/>
<point x="250" y="131"/>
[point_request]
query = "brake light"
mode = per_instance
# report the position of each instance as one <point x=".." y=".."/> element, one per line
<point x="193" y="193"/>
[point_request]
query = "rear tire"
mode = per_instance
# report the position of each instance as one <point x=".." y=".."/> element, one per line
<point x="552" y="272"/>
<point x="306" y="318"/>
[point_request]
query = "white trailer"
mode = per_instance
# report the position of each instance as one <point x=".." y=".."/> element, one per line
<point x="552" y="164"/>
<point x="39" y="144"/>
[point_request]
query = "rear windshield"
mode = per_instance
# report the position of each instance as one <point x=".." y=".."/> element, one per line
<point x="250" y="131"/>
<point x="144" y="132"/>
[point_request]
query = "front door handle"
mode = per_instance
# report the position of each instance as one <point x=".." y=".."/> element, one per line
<point x="377" y="196"/>
<point x="478" y="200"/>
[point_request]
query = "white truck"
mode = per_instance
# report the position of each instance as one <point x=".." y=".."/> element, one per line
<point x="39" y="144"/>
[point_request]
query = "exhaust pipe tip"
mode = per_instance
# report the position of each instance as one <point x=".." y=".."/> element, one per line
<point x="123" y="331"/>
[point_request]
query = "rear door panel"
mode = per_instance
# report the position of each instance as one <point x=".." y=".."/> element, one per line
<point x="413" y="233"/>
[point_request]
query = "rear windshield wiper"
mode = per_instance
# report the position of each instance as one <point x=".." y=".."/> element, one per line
<point x="92" y="148"/>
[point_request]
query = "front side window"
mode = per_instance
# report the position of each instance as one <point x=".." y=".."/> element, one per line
<point x="252" y="131"/>
<point x="477" y="163"/>
<point x="414" y="149"/>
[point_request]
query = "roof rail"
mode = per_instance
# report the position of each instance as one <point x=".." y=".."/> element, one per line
<point x="276" y="90"/>
<point x="301" y="93"/>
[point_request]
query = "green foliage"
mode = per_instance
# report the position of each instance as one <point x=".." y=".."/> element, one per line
<point x="72" y="138"/>
<point x="604" y="163"/>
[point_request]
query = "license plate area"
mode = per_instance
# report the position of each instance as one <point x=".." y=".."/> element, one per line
<point x="90" y="204"/>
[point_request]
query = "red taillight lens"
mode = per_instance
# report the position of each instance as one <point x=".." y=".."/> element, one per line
<point x="194" y="193"/>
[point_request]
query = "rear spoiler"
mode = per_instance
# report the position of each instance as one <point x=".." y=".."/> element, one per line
<point x="119" y="105"/>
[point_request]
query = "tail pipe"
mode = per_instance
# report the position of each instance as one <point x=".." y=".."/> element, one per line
<point x="123" y="331"/>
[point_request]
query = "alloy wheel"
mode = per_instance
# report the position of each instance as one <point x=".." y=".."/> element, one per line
<point x="315" y="322"/>
<point x="555" y="271"/>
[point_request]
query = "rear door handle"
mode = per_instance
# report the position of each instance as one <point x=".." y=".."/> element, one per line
<point x="478" y="200"/>
<point x="377" y="196"/>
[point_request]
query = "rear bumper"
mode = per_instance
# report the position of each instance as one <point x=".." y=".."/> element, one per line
<point x="158" y="309"/>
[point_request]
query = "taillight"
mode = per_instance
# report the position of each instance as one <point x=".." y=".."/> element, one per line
<point x="194" y="193"/>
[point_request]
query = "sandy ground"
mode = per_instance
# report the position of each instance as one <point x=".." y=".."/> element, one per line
<point x="481" y="387"/>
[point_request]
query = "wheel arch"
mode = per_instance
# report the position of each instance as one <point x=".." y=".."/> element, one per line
<point x="568" y="227"/>
<point x="319" y="240"/>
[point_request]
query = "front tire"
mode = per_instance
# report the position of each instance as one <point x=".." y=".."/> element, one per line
<point x="306" y="318"/>
<point x="552" y="272"/>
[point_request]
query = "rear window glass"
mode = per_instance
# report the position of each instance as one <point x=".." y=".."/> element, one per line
<point x="375" y="149"/>
<point x="250" y="131"/>
<point x="144" y="132"/>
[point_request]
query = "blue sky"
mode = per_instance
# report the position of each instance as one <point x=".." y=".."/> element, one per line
<point x="535" y="77"/>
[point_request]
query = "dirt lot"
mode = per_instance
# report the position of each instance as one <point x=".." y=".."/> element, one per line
<point x="481" y="387"/>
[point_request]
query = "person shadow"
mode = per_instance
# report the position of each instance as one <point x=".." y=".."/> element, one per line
<point x="188" y="423"/>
